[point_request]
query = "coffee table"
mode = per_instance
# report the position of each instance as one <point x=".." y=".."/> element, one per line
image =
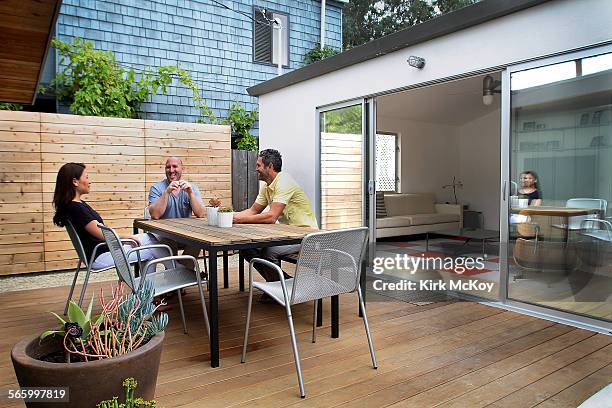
<point x="468" y="234"/>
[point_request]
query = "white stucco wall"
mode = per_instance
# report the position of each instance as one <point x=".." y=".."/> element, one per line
<point x="288" y="116"/>
<point x="428" y="155"/>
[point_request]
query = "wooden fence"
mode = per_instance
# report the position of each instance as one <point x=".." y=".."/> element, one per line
<point x="124" y="158"/>
<point x="245" y="183"/>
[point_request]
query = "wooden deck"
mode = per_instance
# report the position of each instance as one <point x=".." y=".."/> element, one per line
<point x="452" y="354"/>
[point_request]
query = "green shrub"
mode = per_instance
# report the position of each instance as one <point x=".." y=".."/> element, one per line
<point x="317" y="54"/>
<point x="242" y="122"/>
<point x="95" y="84"/>
<point x="10" y="106"/>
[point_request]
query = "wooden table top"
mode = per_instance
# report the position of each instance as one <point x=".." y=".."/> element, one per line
<point x="554" y="211"/>
<point x="197" y="229"/>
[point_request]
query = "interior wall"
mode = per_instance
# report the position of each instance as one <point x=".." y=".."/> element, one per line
<point x="479" y="144"/>
<point x="427" y="161"/>
<point x="431" y="154"/>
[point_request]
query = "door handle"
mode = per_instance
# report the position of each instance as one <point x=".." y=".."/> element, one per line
<point x="504" y="190"/>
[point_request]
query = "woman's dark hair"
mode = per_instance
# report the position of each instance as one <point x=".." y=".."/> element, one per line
<point x="272" y="156"/>
<point x="64" y="189"/>
<point x="534" y="175"/>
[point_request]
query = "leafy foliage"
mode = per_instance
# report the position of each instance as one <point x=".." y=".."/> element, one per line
<point x="10" y="106"/>
<point x="94" y="83"/>
<point x="129" y="385"/>
<point x="345" y="120"/>
<point x="126" y="323"/>
<point x="365" y="20"/>
<point x="317" y="53"/>
<point x="226" y="210"/>
<point x="242" y="122"/>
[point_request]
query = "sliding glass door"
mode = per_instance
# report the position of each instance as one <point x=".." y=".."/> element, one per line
<point x="344" y="171"/>
<point x="558" y="185"/>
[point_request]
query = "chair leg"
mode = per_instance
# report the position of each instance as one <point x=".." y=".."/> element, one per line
<point x="180" y="299"/>
<point x="367" y="328"/>
<point x="203" y="301"/>
<point x="296" y="353"/>
<point x="314" y="321"/>
<point x="76" y="274"/>
<point x="84" y="286"/>
<point x="248" y="322"/>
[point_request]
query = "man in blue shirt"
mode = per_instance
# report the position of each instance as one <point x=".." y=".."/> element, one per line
<point x="175" y="198"/>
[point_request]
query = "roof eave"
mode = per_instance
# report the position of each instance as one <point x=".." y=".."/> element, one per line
<point x="446" y="24"/>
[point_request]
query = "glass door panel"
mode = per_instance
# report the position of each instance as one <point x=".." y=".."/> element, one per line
<point x="342" y="167"/>
<point x="560" y="230"/>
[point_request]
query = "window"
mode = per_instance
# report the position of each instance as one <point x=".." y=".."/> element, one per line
<point x="386" y="159"/>
<point x="265" y="37"/>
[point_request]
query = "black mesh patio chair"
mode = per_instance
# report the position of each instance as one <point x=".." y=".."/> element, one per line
<point x="164" y="281"/>
<point x="329" y="264"/>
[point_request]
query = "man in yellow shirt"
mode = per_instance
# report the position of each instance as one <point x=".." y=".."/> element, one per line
<point x="288" y="205"/>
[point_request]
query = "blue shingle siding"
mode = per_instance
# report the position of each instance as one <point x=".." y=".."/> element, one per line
<point x="214" y="43"/>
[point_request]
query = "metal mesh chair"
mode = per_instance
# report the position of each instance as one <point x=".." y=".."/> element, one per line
<point x="147" y="216"/>
<point x="329" y="264"/>
<point x="164" y="281"/>
<point x="574" y="223"/>
<point x="78" y="247"/>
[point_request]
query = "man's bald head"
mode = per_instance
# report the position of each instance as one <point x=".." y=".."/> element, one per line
<point x="174" y="169"/>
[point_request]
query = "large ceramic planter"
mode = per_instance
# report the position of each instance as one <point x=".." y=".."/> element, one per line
<point x="89" y="382"/>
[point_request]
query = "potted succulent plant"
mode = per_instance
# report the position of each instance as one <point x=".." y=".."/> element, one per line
<point x="92" y="355"/>
<point x="225" y="217"/>
<point x="211" y="211"/>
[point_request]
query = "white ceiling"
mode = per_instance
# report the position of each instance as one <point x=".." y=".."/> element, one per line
<point x="451" y="103"/>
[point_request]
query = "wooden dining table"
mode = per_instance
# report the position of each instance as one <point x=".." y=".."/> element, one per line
<point x="562" y="212"/>
<point x="195" y="232"/>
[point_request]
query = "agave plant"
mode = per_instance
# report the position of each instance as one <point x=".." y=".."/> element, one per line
<point x="127" y="322"/>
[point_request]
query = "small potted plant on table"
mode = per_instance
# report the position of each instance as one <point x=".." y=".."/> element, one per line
<point x="211" y="211"/>
<point x="225" y="217"/>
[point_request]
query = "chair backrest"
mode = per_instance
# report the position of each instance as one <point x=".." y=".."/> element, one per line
<point x="146" y="214"/>
<point x="76" y="243"/>
<point x="599" y="203"/>
<point x="115" y="248"/>
<point x="329" y="264"/>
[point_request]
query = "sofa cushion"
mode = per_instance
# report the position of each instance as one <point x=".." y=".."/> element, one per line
<point x="392" y="222"/>
<point x="426" y="219"/>
<point x="408" y="204"/>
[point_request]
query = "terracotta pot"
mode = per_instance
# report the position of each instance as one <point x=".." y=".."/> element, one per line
<point x="89" y="382"/>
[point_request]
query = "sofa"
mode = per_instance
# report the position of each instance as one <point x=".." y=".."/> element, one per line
<point x="414" y="213"/>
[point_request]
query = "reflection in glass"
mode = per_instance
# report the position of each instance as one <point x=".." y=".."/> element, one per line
<point x="560" y="252"/>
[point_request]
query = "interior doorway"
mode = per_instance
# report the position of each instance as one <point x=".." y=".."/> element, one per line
<point x="438" y="184"/>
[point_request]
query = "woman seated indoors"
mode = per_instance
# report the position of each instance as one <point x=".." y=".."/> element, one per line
<point x="528" y="191"/>
<point x="71" y="184"/>
<point x="529" y="188"/>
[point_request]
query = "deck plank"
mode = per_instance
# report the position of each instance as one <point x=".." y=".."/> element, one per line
<point x="449" y="353"/>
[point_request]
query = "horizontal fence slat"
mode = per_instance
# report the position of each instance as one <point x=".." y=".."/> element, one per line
<point x="124" y="157"/>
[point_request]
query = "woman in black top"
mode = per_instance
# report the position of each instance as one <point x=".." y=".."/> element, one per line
<point x="529" y="188"/>
<point x="73" y="182"/>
